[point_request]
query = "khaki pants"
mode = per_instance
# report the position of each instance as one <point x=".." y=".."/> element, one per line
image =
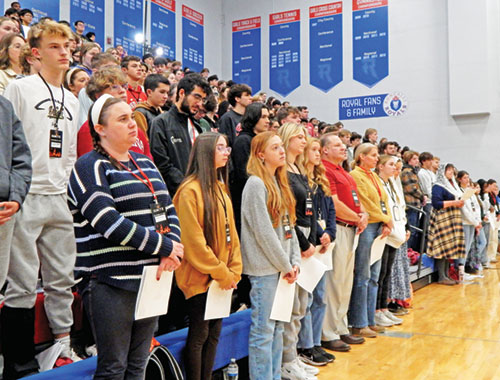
<point x="339" y="285"/>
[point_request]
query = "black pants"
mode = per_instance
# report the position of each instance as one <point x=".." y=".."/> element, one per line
<point x="202" y="340"/>
<point x="122" y="343"/>
<point x="384" y="279"/>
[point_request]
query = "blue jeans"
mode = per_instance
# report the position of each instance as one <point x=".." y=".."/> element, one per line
<point x="123" y="343"/>
<point x="365" y="285"/>
<point x="483" y="254"/>
<point x="265" y="342"/>
<point x="482" y="242"/>
<point x="312" y="323"/>
<point x="469" y="239"/>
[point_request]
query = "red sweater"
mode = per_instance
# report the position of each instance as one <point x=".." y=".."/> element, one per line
<point x="84" y="143"/>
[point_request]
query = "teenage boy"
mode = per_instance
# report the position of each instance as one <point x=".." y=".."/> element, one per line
<point x="157" y="88"/>
<point x="43" y="240"/>
<point x="26" y="16"/>
<point x="173" y="133"/>
<point x="131" y="66"/>
<point x="351" y="220"/>
<point x="239" y="97"/>
<point x="288" y="115"/>
<point x="160" y="64"/>
<point x="79" y="29"/>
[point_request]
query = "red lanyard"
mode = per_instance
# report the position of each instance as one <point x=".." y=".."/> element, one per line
<point x="370" y="175"/>
<point x="145" y="181"/>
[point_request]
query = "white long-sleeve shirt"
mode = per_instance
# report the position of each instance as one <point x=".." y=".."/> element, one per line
<point x="31" y="100"/>
<point x="426" y="178"/>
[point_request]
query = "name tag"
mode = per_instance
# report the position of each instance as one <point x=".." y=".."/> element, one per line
<point x="355" y="198"/>
<point x="55" y="143"/>
<point x="383" y="207"/>
<point x="287" y="228"/>
<point x="160" y="218"/>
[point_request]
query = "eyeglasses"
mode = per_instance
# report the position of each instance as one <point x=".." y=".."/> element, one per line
<point x="224" y="149"/>
<point x="198" y="97"/>
<point x="118" y="87"/>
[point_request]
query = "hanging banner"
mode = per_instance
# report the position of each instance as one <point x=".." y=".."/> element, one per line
<point x="42" y="8"/>
<point x="364" y="107"/>
<point x="128" y="15"/>
<point x="284" y="51"/>
<point x="246" y="52"/>
<point x="325" y="45"/>
<point x="91" y="12"/>
<point x="163" y="26"/>
<point x="370" y="32"/>
<point x="192" y="39"/>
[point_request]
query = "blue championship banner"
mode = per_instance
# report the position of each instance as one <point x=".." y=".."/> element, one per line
<point x="129" y="19"/>
<point x="325" y="46"/>
<point x="192" y="39"/>
<point x="370" y="46"/>
<point x="246" y="52"/>
<point x="364" y="107"/>
<point x="42" y="8"/>
<point x="91" y="12"/>
<point x="284" y="51"/>
<point x="163" y="26"/>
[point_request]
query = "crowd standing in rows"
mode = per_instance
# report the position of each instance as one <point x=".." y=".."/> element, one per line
<point x="110" y="162"/>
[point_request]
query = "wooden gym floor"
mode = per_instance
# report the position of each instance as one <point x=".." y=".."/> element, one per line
<point x="452" y="332"/>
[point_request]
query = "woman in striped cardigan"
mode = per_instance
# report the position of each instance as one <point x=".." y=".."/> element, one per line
<point x="123" y="219"/>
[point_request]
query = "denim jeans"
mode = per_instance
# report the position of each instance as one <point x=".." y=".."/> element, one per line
<point x="483" y="254"/>
<point x="265" y="342"/>
<point x="481" y="243"/>
<point x="365" y="285"/>
<point x="414" y="240"/>
<point x="469" y="239"/>
<point x="312" y="323"/>
<point x="123" y="343"/>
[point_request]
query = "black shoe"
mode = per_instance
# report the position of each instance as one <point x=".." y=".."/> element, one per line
<point x="322" y="352"/>
<point x="308" y="356"/>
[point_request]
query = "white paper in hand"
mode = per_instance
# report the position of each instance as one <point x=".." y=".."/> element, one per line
<point x="377" y="249"/>
<point x="283" y="301"/>
<point x="311" y="271"/>
<point x="327" y="257"/>
<point x="153" y="296"/>
<point x="218" y="302"/>
<point x="469" y="192"/>
<point x="47" y="358"/>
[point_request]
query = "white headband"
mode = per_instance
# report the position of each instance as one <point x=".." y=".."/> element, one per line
<point x="97" y="108"/>
<point x="69" y="74"/>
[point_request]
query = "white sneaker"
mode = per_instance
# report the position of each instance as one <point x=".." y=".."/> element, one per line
<point x="309" y="369"/>
<point x="293" y="371"/>
<point x="392" y="317"/>
<point x="382" y="320"/>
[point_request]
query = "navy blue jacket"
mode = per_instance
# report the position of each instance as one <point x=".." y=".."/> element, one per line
<point x="325" y="209"/>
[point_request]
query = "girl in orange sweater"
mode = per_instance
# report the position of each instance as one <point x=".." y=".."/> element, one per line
<point x="211" y="246"/>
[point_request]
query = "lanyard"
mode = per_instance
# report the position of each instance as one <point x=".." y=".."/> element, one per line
<point x="389" y="189"/>
<point x="370" y="175"/>
<point x="145" y="180"/>
<point x="191" y="124"/>
<point x="54" y="114"/>
<point x="131" y="92"/>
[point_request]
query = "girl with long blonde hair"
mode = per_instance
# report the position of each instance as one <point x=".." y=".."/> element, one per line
<point x="309" y="345"/>
<point x="294" y="140"/>
<point x="268" y="247"/>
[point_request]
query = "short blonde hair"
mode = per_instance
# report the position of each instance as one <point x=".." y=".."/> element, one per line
<point x="47" y="28"/>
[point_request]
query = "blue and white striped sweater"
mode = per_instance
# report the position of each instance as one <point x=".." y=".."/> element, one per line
<point x="114" y="227"/>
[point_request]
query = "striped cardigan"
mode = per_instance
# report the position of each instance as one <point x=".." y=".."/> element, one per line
<point x="113" y="224"/>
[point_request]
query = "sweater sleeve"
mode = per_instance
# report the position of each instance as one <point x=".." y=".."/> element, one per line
<point x="20" y="172"/>
<point x="437" y="197"/>
<point x="304" y="242"/>
<point x="196" y="250"/>
<point x="252" y="210"/>
<point x="331" y="226"/>
<point x="89" y="191"/>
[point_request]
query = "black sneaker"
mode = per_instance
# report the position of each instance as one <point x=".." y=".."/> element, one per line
<point x="309" y="357"/>
<point x="319" y="351"/>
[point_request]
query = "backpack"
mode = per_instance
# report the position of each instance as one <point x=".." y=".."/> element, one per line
<point x="162" y="365"/>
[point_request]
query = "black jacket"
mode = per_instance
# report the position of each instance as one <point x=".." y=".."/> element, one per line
<point x="229" y="124"/>
<point x="149" y="113"/>
<point x="171" y="145"/>
<point x="239" y="175"/>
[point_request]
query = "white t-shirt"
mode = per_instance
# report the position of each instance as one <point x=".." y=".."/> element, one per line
<point x="31" y="100"/>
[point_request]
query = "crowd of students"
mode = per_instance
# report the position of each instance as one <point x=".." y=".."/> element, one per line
<point x="110" y="162"/>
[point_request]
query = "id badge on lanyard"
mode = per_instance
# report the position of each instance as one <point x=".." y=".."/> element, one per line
<point x="309" y="204"/>
<point x="55" y="143"/>
<point x="286" y="227"/>
<point x="383" y="207"/>
<point x="160" y="218"/>
<point x="355" y="198"/>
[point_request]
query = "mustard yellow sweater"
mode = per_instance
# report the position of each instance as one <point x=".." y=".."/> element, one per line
<point x="202" y="264"/>
<point x="369" y="196"/>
